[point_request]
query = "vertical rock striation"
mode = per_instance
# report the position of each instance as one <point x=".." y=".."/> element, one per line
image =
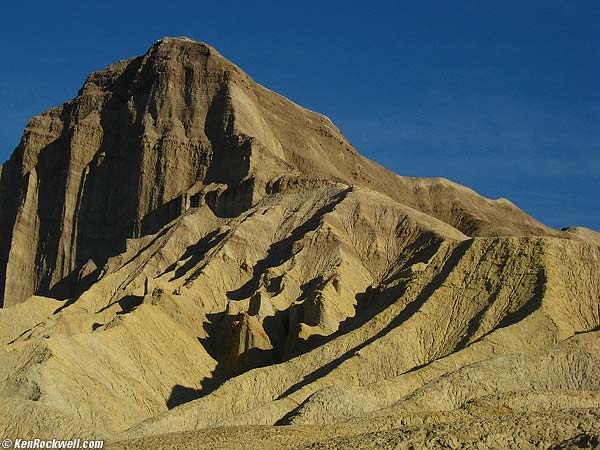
<point x="148" y="137"/>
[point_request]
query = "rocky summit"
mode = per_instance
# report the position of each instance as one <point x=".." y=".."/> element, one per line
<point x="190" y="260"/>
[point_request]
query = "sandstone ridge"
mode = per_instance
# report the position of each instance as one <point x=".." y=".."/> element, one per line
<point x="189" y="260"/>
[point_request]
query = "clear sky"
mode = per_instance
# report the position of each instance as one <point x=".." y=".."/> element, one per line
<point x="502" y="96"/>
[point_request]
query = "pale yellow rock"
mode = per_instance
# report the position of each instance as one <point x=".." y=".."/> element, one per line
<point x="215" y="260"/>
<point x="585" y="234"/>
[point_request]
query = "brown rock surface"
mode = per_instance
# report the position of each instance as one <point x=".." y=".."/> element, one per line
<point x="184" y="251"/>
<point x="145" y="135"/>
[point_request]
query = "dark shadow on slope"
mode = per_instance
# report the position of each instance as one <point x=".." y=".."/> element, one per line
<point x="111" y="181"/>
<point x="163" y="214"/>
<point x="162" y="232"/>
<point x="230" y="161"/>
<point x="85" y="283"/>
<point x="10" y="193"/>
<point x="511" y="318"/>
<point x="277" y="327"/>
<point x="281" y="251"/>
<point x="422" y="249"/>
<point x="52" y="177"/>
<point x="195" y="253"/>
<point x="591" y="330"/>
<point x="529" y="307"/>
<point x="217" y="327"/>
<point x="369" y="304"/>
<point x="182" y="394"/>
<point x="127" y="303"/>
<point x="73" y="285"/>
<point x="374" y="300"/>
<point x="582" y="440"/>
<point x="70" y="288"/>
<point x="406" y="313"/>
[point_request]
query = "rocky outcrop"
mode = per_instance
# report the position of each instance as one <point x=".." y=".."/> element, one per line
<point x="585" y="234"/>
<point x="212" y="255"/>
<point x="146" y="135"/>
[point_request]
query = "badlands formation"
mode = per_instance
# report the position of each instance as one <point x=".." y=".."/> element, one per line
<point x="189" y="260"/>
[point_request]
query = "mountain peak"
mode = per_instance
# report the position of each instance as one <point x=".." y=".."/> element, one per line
<point x="147" y="134"/>
<point x="166" y="56"/>
<point x="174" y="44"/>
<point x="177" y="39"/>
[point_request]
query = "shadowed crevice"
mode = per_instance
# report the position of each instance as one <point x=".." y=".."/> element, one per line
<point x="281" y="251"/>
<point x="404" y="315"/>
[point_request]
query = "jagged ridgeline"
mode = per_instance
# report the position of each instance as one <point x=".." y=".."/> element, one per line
<point x="183" y="249"/>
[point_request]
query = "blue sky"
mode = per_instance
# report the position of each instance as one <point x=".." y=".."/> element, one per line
<point x="503" y="96"/>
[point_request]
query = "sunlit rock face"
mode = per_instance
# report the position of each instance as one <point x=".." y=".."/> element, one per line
<point x="182" y="249"/>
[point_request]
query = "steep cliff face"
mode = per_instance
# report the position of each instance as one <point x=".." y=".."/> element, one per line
<point x="87" y="174"/>
<point x="148" y="137"/>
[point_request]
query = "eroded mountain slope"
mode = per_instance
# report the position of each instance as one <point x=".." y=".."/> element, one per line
<point x="321" y="304"/>
<point x="149" y="136"/>
<point x="211" y="260"/>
